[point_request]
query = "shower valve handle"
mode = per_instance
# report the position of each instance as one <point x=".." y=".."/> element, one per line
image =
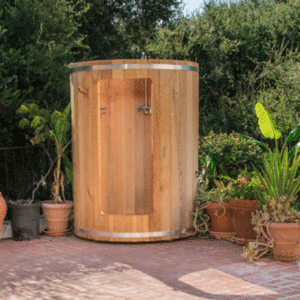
<point x="147" y="109"/>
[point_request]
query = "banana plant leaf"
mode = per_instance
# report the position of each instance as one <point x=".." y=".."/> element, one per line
<point x="294" y="150"/>
<point x="246" y="137"/>
<point x="295" y="133"/>
<point x="266" y="123"/>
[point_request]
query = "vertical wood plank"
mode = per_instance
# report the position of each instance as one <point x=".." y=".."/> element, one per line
<point x="195" y="134"/>
<point x="176" y="205"/>
<point x="155" y="216"/>
<point x="90" y="125"/>
<point x="144" y="201"/>
<point x="129" y="135"/>
<point x="82" y="111"/>
<point x="183" y="150"/>
<point x="192" y="149"/>
<point x="103" y="78"/>
<point x="148" y="157"/>
<point x="75" y="146"/>
<point x="111" y="220"/>
<point x="165" y="151"/>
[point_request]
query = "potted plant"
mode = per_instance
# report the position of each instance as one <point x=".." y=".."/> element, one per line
<point x="269" y="130"/>
<point x="284" y="227"/>
<point x="3" y="210"/>
<point x="246" y="195"/>
<point x="282" y="184"/>
<point x="275" y="223"/>
<point x="25" y="215"/>
<point x="220" y="212"/>
<point x="217" y="216"/>
<point x="278" y="229"/>
<point x="54" y="127"/>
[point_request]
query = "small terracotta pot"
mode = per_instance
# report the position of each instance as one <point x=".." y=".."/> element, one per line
<point x="57" y="217"/>
<point x="286" y="236"/>
<point x="221" y="224"/>
<point x="241" y="214"/>
<point x="3" y="210"/>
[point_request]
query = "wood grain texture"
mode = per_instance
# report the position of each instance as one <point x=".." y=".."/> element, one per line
<point x="133" y="172"/>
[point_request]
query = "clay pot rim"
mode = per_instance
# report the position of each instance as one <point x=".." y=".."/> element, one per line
<point x="218" y="205"/>
<point x="49" y="203"/>
<point x="284" y="225"/>
<point x="22" y="203"/>
<point x="235" y="200"/>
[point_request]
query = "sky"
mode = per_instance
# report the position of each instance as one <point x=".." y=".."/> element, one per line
<point x="192" y="5"/>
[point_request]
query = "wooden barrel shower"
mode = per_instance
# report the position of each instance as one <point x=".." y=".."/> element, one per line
<point x="135" y="148"/>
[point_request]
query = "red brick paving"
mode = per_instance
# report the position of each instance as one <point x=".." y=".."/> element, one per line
<point x="74" y="268"/>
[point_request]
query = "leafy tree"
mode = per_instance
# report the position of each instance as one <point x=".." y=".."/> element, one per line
<point x="232" y="42"/>
<point x="117" y="29"/>
<point x="41" y="39"/>
<point x="9" y="95"/>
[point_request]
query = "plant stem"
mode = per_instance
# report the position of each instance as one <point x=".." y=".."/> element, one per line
<point x="40" y="182"/>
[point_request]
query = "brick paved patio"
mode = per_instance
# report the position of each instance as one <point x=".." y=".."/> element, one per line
<point x="74" y="268"/>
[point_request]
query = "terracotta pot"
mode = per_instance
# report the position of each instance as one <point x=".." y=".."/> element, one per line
<point x="3" y="210"/>
<point x="286" y="236"/>
<point x="241" y="214"/>
<point x="222" y="225"/>
<point x="57" y="217"/>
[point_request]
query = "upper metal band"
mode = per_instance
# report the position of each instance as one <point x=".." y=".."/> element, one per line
<point x="134" y="66"/>
<point x="133" y="234"/>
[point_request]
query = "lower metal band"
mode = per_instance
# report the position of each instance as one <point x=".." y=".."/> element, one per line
<point x="133" y="234"/>
<point x="134" y="66"/>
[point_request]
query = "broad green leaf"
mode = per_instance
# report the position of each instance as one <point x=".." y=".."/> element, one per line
<point x="67" y="110"/>
<point x="24" y="123"/>
<point x="295" y="133"/>
<point x="295" y="150"/>
<point x="246" y="137"/>
<point x="266" y="123"/>
<point x="58" y="129"/>
<point x="23" y="109"/>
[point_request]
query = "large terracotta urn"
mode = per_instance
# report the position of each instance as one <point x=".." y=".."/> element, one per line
<point x="3" y="210"/>
<point x="220" y="220"/>
<point x="286" y="237"/>
<point x="241" y="214"/>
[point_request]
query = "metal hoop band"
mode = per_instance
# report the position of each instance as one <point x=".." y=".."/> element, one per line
<point x="133" y="234"/>
<point x="134" y="66"/>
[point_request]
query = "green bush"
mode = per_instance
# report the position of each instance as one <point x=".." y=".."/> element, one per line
<point x="230" y="155"/>
<point x="246" y="52"/>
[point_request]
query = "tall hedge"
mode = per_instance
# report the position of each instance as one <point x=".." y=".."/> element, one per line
<point x="40" y="40"/>
<point x="237" y="45"/>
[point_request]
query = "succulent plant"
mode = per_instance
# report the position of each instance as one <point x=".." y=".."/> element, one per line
<point x="280" y="211"/>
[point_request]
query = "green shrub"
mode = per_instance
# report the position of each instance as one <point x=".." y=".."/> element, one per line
<point x="230" y="155"/>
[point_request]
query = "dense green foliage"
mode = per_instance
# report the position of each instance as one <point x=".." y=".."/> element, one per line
<point x="246" y="51"/>
<point x="120" y="29"/>
<point x="40" y="39"/>
<point x="230" y="153"/>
